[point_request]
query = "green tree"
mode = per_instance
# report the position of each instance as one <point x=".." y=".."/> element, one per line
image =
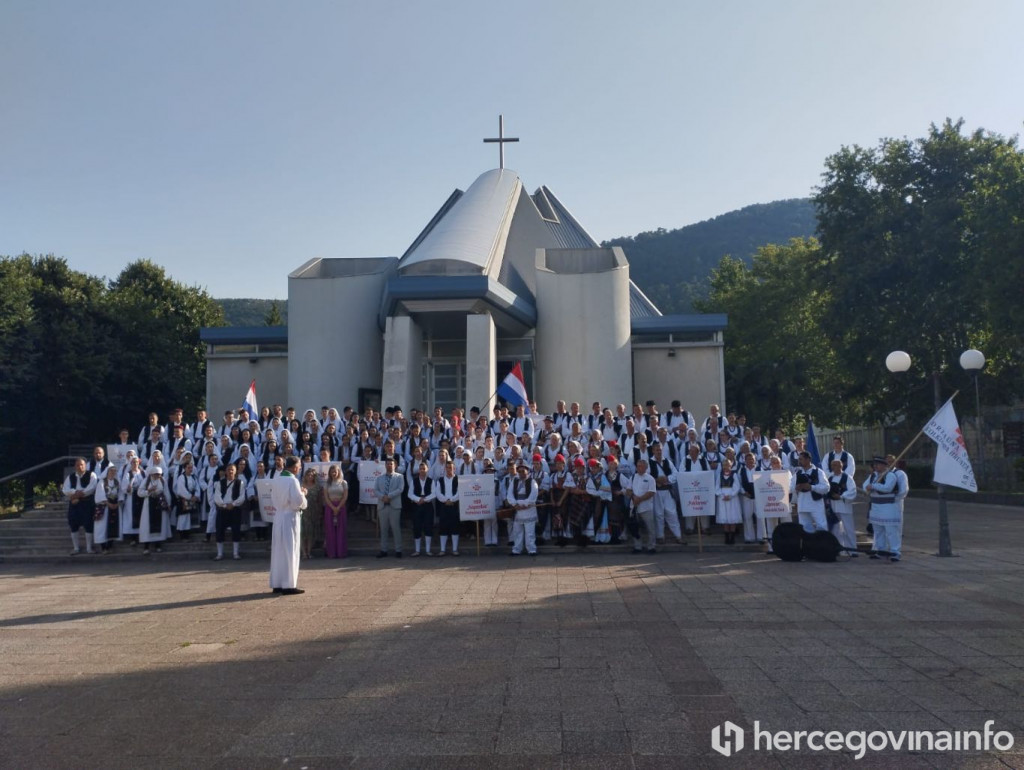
<point x="273" y="317"/>
<point x="779" y="367"/>
<point x="904" y="227"/>
<point x="163" y="362"/>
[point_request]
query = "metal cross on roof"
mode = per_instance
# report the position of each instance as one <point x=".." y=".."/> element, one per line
<point x="501" y="139"/>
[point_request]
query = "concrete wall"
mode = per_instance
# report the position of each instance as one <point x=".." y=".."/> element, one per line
<point x="481" y="367"/>
<point x="228" y="377"/>
<point x="335" y="346"/>
<point x="583" y="335"/>
<point x="693" y="375"/>
<point x="403" y="364"/>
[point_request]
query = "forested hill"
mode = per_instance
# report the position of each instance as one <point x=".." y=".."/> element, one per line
<point x="251" y="312"/>
<point x="672" y="266"/>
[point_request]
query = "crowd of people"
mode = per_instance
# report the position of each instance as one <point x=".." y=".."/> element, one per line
<point x="606" y="476"/>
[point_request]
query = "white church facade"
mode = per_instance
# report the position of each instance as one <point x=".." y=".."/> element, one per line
<point x="497" y="276"/>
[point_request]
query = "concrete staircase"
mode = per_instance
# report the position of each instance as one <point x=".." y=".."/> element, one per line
<point x="41" y="536"/>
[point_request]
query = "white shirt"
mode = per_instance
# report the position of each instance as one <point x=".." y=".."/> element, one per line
<point x="640" y="485"/>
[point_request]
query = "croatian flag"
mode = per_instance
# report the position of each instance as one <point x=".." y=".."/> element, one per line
<point x="812" y="444"/>
<point x="513" y="388"/>
<point x="249" y="404"/>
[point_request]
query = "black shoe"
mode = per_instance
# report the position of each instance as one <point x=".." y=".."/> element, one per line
<point x="382" y="554"/>
<point x="398" y="554"/>
<point x="533" y="553"/>
<point x="874" y="556"/>
<point x="278" y="590"/>
<point x="638" y="550"/>
<point x="293" y="591"/>
<point x="652" y="550"/>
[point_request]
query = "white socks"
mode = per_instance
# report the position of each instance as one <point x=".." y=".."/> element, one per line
<point x="455" y="543"/>
<point x="444" y="543"/>
<point x="234" y="548"/>
<point x="88" y="542"/>
<point x="427" y="540"/>
<point x="220" y="549"/>
<point x="74" y="540"/>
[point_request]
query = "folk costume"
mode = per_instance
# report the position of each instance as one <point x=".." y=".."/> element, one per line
<point x="80" y="490"/>
<point x="522" y="495"/>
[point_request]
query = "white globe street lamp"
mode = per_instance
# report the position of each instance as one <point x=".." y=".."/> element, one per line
<point x="897" y="361"/>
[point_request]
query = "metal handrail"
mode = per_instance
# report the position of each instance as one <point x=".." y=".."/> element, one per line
<point x="47" y="464"/>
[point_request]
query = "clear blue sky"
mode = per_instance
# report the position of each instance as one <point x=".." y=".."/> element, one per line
<point x="232" y="141"/>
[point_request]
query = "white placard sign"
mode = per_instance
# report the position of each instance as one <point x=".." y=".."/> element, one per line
<point x="367" y="473"/>
<point x="118" y="453"/>
<point x="771" y="494"/>
<point x="264" y="494"/>
<point x="321" y="470"/>
<point x="476" y="497"/>
<point x="697" y="493"/>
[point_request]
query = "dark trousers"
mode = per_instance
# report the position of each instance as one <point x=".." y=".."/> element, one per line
<point x="229" y="518"/>
<point x="448" y="519"/>
<point x="423" y="520"/>
<point x="80" y="514"/>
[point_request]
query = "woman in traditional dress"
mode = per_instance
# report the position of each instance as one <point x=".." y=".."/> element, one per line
<point x="580" y="508"/>
<point x="561" y="485"/>
<point x="108" y="507"/>
<point x="260" y="526"/>
<point x="188" y="495"/>
<point x="313" y="515"/>
<point x="728" y="489"/>
<point x="131" y="508"/>
<point x="335" y="502"/>
<point x="153" y="521"/>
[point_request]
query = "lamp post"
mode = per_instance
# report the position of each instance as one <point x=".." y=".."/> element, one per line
<point x="973" y="361"/>
<point x="897" y="362"/>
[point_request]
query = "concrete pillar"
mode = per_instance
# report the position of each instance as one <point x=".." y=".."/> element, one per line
<point x="403" y="364"/>
<point x="481" y="369"/>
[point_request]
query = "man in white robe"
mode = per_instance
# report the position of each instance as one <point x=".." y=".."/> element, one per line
<point x="288" y="499"/>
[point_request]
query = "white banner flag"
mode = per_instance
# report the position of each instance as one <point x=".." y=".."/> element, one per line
<point x="952" y="465"/>
<point x="368" y="473"/>
<point x="265" y="496"/>
<point x="771" y="495"/>
<point x="476" y="497"/>
<point x="697" y="493"/>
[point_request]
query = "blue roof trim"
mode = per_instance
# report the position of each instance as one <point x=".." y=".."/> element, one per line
<point x="688" y="322"/>
<point x="425" y="287"/>
<point x="244" y="335"/>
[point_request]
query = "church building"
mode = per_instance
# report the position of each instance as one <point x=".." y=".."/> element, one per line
<point x="498" y="275"/>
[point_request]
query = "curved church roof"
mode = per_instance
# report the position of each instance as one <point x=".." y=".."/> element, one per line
<point x="470" y="236"/>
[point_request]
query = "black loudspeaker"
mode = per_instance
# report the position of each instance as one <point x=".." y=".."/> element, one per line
<point x="821" y="546"/>
<point x="787" y="541"/>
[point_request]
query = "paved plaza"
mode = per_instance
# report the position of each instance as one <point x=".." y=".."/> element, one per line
<point x="557" y="661"/>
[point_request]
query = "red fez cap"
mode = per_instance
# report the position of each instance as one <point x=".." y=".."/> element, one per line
<point x="593" y="463"/>
<point x="611" y="459"/>
<point x="559" y="458"/>
<point x="578" y="461"/>
<point x="537" y="458"/>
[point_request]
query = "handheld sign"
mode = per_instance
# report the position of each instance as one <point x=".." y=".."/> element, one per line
<point x="771" y="495"/>
<point x="697" y="493"/>
<point x="367" y="473"/>
<point x="476" y="497"/>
